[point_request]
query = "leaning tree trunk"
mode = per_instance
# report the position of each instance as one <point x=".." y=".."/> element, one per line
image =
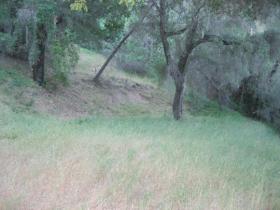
<point x="97" y="76"/>
<point x="145" y="13"/>
<point x="38" y="67"/>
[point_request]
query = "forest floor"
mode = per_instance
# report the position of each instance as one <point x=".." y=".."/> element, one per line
<point x="115" y="146"/>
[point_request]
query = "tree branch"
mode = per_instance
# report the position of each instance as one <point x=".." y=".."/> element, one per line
<point x="178" y="32"/>
<point x="216" y="39"/>
<point x="154" y="3"/>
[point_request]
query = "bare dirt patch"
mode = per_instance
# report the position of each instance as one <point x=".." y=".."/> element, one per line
<point x="111" y="96"/>
<point x="116" y="94"/>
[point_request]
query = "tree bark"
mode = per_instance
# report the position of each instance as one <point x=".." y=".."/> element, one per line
<point x="178" y="102"/>
<point x="173" y="68"/>
<point x="38" y="67"/>
<point x="163" y="33"/>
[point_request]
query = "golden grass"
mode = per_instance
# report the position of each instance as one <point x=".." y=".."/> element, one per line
<point x="138" y="163"/>
<point x="219" y="162"/>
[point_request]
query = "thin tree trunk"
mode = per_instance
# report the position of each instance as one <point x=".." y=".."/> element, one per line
<point x="173" y="68"/>
<point x="100" y="72"/>
<point x="97" y="76"/>
<point x="26" y="37"/>
<point x="163" y="34"/>
<point x="38" y="67"/>
<point x="178" y="102"/>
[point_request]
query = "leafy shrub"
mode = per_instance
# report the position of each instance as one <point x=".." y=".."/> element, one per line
<point x="64" y="56"/>
<point x="159" y="70"/>
<point x="7" y="43"/>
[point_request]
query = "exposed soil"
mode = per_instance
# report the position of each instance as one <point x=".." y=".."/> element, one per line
<point x="111" y="96"/>
<point x="82" y="97"/>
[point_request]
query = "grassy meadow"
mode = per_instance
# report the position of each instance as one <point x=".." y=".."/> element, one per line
<point x="215" y="160"/>
<point x="204" y="162"/>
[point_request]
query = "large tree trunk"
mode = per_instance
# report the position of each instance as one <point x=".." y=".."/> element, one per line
<point x="38" y="67"/>
<point x="176" y="70"/>
<point x="178" y="102"/>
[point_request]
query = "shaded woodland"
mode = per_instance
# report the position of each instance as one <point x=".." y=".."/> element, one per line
<point x="222" y="51"/>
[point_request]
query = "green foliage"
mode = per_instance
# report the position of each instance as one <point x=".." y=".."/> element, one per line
<point x="104" y="21"/>
<point x="82" y="22"/>
<point x="142" y="55"/>
<point x="127" y="2"/>
<point x="64" y="55"/>
<point x="215" y="4"/>
<point x="159" y="72"/>
<point x="4" y="12"/>
<point x="45" y="12"/>
<point x="79" y="5"/>
<point x="64" y="52"/>
<point x="7" y="43"/>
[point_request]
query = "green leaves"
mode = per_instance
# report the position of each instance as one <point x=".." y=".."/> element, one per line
<point x="216" y="4"/>
<point x="45" y="11"/>
<point x="128" y="3"/>
<point x="79" y="5"/>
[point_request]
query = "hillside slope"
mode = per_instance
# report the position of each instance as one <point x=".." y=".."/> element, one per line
<point x="117" y="94"/>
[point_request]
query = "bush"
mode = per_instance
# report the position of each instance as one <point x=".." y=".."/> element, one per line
<point x="7" y="43"/>
<point x="64" y="55"/>
<point x="159" y="70"/>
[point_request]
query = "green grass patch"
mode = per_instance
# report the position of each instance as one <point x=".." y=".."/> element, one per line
<point x="13" y="85"/>
<point x="14" y="79"/>
<point x="224" y="160"/>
